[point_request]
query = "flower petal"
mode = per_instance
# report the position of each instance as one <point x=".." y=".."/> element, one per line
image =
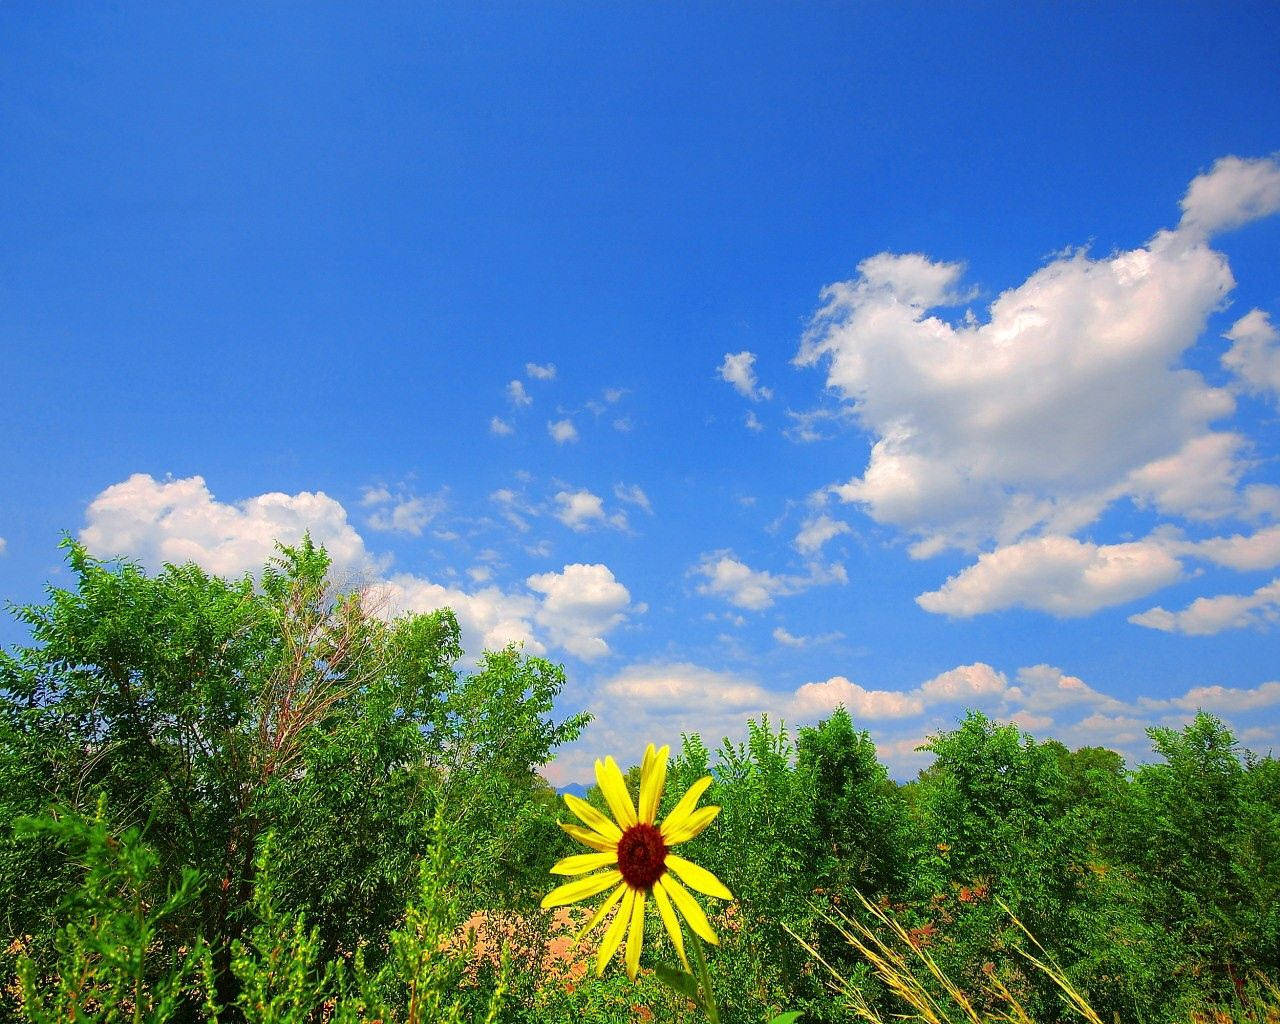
<point x="695" y="823"/>
<point x="635" y="935"/>
<point x="669" y="919"/>
<point x="580" y="889"/>
<point x="685" y="807"/>
<point x="592" y="818"/>
<point x="616" y="927"/>
<point x="652" y="781"/>
<point x="614" y="788"/>
<point x="688" y="907"/>
<point x="581" y="863"/>
<point x="598" y="916"/>
<point x="590" y="837"/>
<point x="696" y="877"/>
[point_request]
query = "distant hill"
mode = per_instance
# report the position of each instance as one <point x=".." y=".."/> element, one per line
<point x="576" y="788"/>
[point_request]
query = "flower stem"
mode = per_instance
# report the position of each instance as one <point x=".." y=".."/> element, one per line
<point x="704" y="983"/>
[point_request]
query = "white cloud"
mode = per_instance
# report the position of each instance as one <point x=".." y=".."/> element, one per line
<point x="633" y="495"/>
<point x="1199" y="481"/>
<point x="789" y="639"/>
<point x="3" y="544"/>
<point x="582" y="510"/>
<point x="375" y="496"/>
<point x="752" y="422"/>
<point x="813" y="700"/>
<point x="562" y="431"/>
<point x="1044" y="414"/>
<point x="817" y="531"/>
<point x="1055" y="574"/>
<point x="1222" y="699"/>
<point x="661" y="700"/>
<point x="756" y="589"/>
<point x="1206" y="616"/>
<point x="535" y="371"/>
<point x="500" y="427"/>
<point x="403" y="514"/>
<point x="180" y="520"/>
<point x="1233" y="192"/>
<point x="581" y="605"/>
<point x="490" y="617"/>
<point x="517" y="395"/>
<point x="963" y="683"/>
<point x="739" y="370"/>
<point x="1259" y="550"/>
<point x="613" y="395"/>
<point x="1254" y="355"/>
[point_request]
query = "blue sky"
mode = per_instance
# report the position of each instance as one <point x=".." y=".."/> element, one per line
<point x="744" y="360"/>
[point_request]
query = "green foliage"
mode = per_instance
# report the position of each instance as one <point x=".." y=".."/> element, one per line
<point x="105" y="964"/>
<point x="264" y="801"/>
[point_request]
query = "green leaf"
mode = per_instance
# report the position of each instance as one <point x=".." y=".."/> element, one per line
<point x="679" y="981"/>
<point x="790" y="1017"/>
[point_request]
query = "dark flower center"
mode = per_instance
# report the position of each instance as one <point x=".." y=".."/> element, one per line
<point x="642" y="856"/>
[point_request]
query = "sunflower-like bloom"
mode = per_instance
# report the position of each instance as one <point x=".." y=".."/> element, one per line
<point x="636" y="854"/>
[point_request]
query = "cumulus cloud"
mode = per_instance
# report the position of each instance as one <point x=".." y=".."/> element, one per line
<point x="517" y="394"/>
<point x="726" y="577"/>
<point x="1254" y="355"/>
<point x="1243" y="552"/>
<point x="1232" y="193"/>
<point x="1055" y="574"/>
<point x="1069" y="396"/>
<point x="581" y="511"/>
<point x="179" y="521"/>
<point x="581" y="604"/>
<point x="816" y="699"/>
<point x="662" y="700"/>
<point x="562" y="431"/>
<point x="740" y="370"/>
<point x="500" y="427"/>
<point x="1206" y="616"/>
<point x="817" y="531"/>
<point x="546" y="371"/>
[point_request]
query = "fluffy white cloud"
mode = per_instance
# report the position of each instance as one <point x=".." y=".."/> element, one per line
<point x="580" y="605"/>
<point x="535" y="371"/>
<point x="562" y="431"/>
<point x="1254" y="355"/>
<point x="755" y="589"/>
<point x="500" y="427"/>
<point x="1208" y="615"/>
<point x="1068" y="397"/>
<point x="740" y="370"/>
<point x="517" y="394"/>
<point x="963" y="683"/>
<point x="752" y="422"/>
<point x="1234" y="192"/>
<point x="582" y="510"/>
<point x="812" y="700"/>
<point x="663" y="700"/>
<point x="490" y="617"/>
<point x="180" y="521"/>
<point x="817" y="531"/>
<point x="1055" y="574"/>
<point x="1259" y="550"/>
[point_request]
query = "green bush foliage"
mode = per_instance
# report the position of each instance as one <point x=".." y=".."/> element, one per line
<point x="261" y="800"/>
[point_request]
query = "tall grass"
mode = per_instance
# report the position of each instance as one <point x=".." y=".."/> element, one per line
<point x="926" y="993"/>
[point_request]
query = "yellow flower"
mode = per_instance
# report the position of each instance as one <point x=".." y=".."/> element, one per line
<point x="638" y="860"/>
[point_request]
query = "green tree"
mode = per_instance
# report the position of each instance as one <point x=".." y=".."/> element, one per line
<point x="209" y="713"/>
